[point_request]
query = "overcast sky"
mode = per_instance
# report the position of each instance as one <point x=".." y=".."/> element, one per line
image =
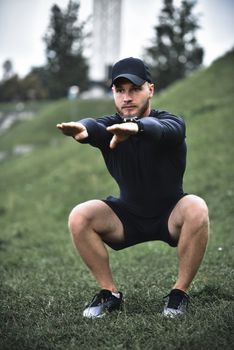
<point x="23" y="24"/>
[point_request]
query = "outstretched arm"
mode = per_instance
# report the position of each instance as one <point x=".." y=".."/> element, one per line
<point x="75" y="129"/>
<point x="167" y="129"/>
<point x="121" y="132"/>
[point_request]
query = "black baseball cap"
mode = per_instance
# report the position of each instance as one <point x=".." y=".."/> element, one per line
<point x="132" y="69"/>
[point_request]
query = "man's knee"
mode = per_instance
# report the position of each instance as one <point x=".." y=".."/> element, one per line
<point x="78" y="220"/>
<point x="196" y="213"/>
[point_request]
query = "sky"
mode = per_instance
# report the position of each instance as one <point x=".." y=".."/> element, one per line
<point x="23" y="23"/>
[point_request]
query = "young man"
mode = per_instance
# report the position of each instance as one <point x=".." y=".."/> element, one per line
<point x="145" y="151"/>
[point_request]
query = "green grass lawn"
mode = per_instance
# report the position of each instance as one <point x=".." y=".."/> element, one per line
<point x="44" y="285"/>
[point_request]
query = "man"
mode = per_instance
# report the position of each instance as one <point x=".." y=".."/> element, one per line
<point x="145" y="151"/>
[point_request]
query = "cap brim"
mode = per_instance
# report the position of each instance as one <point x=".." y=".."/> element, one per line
<point x="133" y="78"/>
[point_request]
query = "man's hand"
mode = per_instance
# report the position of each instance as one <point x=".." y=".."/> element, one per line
<point x="122" y="132"/>
<point x="77" y="130"/>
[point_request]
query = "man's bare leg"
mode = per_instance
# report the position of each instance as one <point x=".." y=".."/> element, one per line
<point x="189" y="223"/>
<point x="89" y="224"/>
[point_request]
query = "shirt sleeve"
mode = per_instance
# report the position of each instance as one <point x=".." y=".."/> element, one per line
<point x="98" y="136"/>
<point x="165" y="129"/>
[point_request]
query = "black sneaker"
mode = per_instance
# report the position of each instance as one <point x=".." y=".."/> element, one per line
<point x="102" y="303"/>
<point x="176" y="303"/>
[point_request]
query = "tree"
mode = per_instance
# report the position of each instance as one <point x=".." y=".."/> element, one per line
<point x="64" y="40"/>
<point x="175" y="52"/>
<point x="31" y="87"/>
<point x="7" y="70"/>
<point x="10" y="89"/>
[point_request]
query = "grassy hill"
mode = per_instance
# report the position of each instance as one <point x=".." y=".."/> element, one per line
<point x="44" y="284"/>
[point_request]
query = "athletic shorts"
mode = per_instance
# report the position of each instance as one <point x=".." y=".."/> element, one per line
<point x="139" y="229"/>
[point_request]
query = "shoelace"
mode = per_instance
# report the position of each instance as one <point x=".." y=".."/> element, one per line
<point x="100" y="297"/>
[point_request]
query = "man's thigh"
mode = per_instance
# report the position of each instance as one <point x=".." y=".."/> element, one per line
<point x="101" y="218"/>
<point x="187" y="206"/>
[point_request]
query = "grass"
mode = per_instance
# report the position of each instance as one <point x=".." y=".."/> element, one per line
<point x="44" y="284"/>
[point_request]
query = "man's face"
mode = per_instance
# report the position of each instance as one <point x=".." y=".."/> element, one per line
<point x="132" y="100"/>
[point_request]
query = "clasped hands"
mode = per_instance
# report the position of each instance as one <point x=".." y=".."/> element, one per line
<point x="121" y="132"/>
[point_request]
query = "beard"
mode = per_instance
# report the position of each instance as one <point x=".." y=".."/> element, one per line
<point x="138" y="111"/>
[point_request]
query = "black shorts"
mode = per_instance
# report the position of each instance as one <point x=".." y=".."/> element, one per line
<point x="139" y="229"/>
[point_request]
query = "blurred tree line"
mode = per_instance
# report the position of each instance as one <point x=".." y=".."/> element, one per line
<point x="173" y="54"/>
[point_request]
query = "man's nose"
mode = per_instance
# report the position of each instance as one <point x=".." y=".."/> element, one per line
<point x="127" y="97"/>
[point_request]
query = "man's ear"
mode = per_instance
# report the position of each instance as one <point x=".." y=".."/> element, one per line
<point x="152" y="89"/>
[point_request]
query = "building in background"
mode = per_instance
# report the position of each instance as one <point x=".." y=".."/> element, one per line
<point x="106" y="42"/>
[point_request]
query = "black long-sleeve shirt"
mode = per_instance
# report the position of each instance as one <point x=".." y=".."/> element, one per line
<point x="148" y="167"/>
